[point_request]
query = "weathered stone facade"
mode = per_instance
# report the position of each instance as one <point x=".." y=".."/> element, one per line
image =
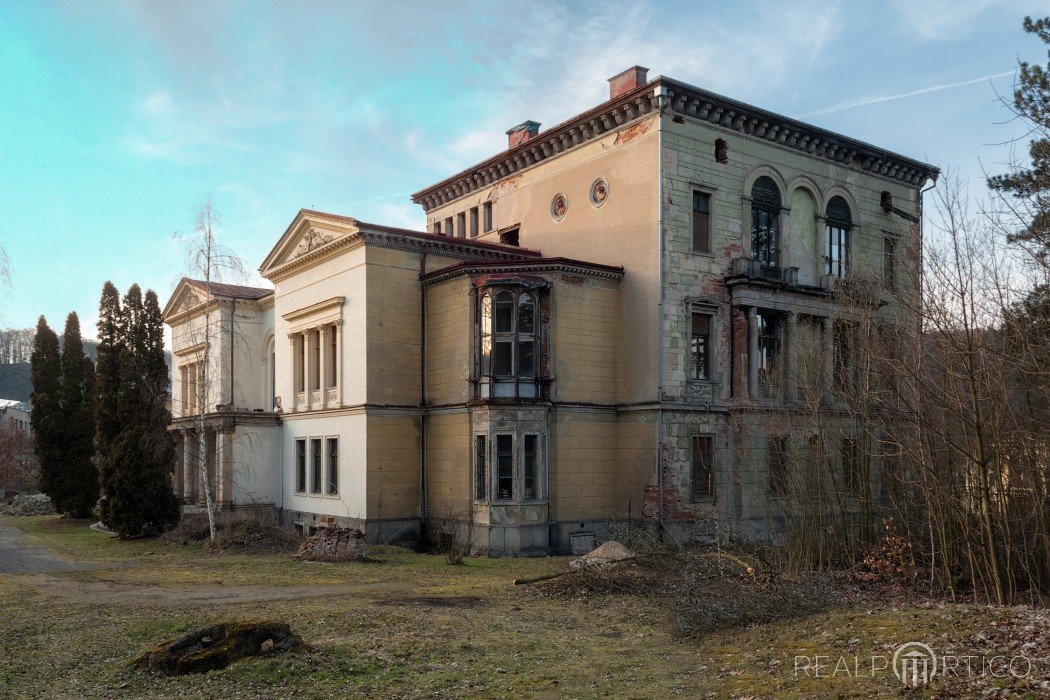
<point x="483" y="373"/>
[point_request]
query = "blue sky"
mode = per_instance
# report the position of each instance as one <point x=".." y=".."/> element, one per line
<point x="118" y="118"/>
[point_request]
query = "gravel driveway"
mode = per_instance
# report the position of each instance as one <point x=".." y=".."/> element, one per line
<point x="17" y="556"/>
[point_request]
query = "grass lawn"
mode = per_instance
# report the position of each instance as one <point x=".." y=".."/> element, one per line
<point x="409" y="625"/>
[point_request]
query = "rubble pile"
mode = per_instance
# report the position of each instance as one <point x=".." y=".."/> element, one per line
<point x="332" y="544"/>
<point x="608" y="553"/>
<point x="34" y="504"/>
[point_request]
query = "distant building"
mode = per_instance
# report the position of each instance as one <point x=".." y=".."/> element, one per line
<point x="592" y="327"/>
<point x="15" y="415"/>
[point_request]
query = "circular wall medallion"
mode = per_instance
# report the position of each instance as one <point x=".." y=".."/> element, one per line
<point x="599" y="192"/>
<point x="559" y="205"/>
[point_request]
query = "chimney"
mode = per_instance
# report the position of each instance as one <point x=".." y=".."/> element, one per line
<point x="526" y="131"/>
<point x="627" y="81"/>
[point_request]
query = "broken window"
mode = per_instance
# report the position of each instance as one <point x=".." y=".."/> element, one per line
<point x="702" y="475"/>
<point x="700" y="347"/>
<point x="474" y="222"/>
<point x="765" y="222"/>
<point x="701" y="222"/>
<point x="839" y="223"/>
<point x="889" y="262"/>
<point x="486" y="209"/>
<point x="300" y="466"/>
<point x="778" y="465"/>
<point x="332" y="484"/>
<point x="508" y="360"/>
<point x="315" y="465"/>
<point x="768" y="346"/>
<point x="480" y="468"/>
<point x="509" y="237"/>
<point x="504" y="467"/>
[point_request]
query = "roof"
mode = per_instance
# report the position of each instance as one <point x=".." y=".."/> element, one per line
<point x="232" y="291"/>
<point x="557" y="264"/>
<point x="681" y="100"/>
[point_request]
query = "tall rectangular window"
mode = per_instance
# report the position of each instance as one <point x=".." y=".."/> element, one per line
<point x="701" y="222"/>
<point x="768" y="343"/>
<point x="474" y="222"/>
<point x="837" y="255"/>
<point x="332" y="482"/>
<point x="480" y="468"/>
<point x="487" y="212"/>
<point x="504" y="467"/>
<point x="315" y="465"/>
<point x="530" y="466"/>
<point x="850" y="466"/>
<point x="702" y="475"/>
<point x="300" y="466"/>
<point x="765" y="234"/>
<point x="436" y="227"/>
<point x="461" y="224"/>
<point x="448" y="227"/>
<point x="778" y="473"/>
<point x="700" y="347"/>
<point x="842" y="360"/>
<point x="889" y="262"/>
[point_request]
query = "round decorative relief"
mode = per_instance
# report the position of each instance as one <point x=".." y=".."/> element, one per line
<point x="559" y="205"/>
<point x="599" y="192"/>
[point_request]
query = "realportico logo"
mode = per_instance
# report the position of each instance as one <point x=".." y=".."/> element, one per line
<point x="915" y="664"/>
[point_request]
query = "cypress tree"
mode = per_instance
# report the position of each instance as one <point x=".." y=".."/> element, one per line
<point x="107" y="385"/>
<point x="46" y="418"/>
<point x="139" y="464"/>
<point x="79" y="490"/>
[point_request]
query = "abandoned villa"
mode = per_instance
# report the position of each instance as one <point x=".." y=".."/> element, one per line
<point x="604" y="321"/>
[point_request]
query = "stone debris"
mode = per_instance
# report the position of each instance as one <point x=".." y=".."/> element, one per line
<point x="33" y="504"/>
<point x="608" y="553"/>
<point x="332" y="544"/>
<point x="217" y="647"/>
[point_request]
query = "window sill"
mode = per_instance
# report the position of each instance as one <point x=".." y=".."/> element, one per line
<point x="702" y="254"/>
<point x="703" y="500"/>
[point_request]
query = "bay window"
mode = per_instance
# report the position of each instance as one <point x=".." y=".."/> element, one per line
<point x="508" y="339"/>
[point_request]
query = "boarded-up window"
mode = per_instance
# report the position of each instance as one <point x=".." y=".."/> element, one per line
<point x="702" y="474"/>
<point x="701" y="222"/>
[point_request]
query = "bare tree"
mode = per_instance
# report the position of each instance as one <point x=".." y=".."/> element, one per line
<point x="211" y="262"/>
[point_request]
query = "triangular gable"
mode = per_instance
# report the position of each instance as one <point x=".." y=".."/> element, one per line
<point x="185" y="296"/>
<point x="308" y="232"/>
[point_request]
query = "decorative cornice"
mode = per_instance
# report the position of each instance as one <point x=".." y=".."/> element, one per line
<point x="687" y="101"/>
<point x="595" y="123"/>
<point x="562" y="265"/>
<point x="724" y="113"/>
<point x="327" y="304"/>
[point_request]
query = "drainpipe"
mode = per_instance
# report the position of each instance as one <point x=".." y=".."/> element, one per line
<point x="422" y="390"/>
<point x="661" y="103"/>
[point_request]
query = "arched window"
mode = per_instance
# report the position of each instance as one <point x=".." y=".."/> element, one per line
<point x="837" y="228"/>
<point x="765" y="221"/>
<point x="507" y="352"/>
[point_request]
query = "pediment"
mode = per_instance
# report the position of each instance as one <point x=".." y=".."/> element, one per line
<point x="307" y="237"/>
<point x="184" y="298"/>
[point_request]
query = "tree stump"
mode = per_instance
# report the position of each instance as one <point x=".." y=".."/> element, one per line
<point x="217" y="647"/>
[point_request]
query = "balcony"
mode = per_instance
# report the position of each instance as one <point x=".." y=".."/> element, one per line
<point x="753" y="269"/>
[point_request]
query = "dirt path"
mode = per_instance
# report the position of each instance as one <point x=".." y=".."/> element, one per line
<point x="43" y="570"/>
<point x="18" y="556"/>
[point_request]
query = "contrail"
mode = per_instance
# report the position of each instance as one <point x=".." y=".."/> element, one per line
<point x="865" y="101"/>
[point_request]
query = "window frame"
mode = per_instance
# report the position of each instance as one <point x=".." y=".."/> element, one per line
<point x="705" y="216"/>
<point x="777" y="465"/>
<point x="486" y="209"/>
<point x="707" y="474"/>
<point x="435" y="227"/>
<point x="474" y="224"/>
<point x="537" y="460"/>
<point x="769" y="363"/>
<point x="331" y="467"/>
<point x="517" y="383"/>
<point x="707" y="342"/>
<point x="497" y="477"/>
<point x="461" y="224"/>
<point x="889" y="261"/>
<point x="301" y="484"/>
<point x="838" y="238"/>
<point x="481" y="467"/>
<point x="765" y="216"/>
<point x="316" y="459"/>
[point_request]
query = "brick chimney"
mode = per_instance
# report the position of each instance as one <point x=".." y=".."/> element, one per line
<point x="627" y="81"/>
<point x="526" y="131"/>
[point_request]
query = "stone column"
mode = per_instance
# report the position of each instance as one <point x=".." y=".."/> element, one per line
<point x="180" y="458"/>
<point x="306" y="368"/>
<point x="752" y="352"/>
<point x="791" y="357"/>
<point x="184" y="391"/>
<point x="322" y="337"/>
<point x="289" y="404"/>
<point x="189" y="466"/>
<point x="338" y="330"/>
